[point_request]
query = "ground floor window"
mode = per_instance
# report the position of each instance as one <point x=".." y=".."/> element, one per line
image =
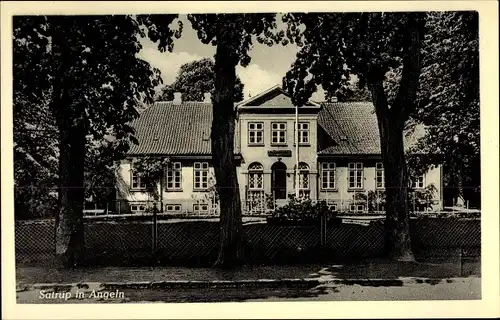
<point x="304" y="186"/>
<point x="328" y="175"/>
<point x="200" y="175"/>
<point x="173" y="208"/>
<point x="355" y="175"/>
<point x="138" y="208"/>
<point x="418" y="182"/>
<point x="357" y="208"/>
<point x="379" y="175"/>
<point x="200" y="208"/>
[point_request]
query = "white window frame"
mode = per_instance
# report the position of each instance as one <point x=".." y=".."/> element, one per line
<point x="200" y="171"/>
<point x="358" y="170"/>
<point x="138" y="182"/>
<point x="198" y="208"/>
<point x="253" y="133"/>
<point x="255" y="171"/>
<point x="137" y="208"/>
<point x="379" y="174"/>
<point x="173" y="171"/>
<point x="356" y="207"/>
<point x="304" y="172"/>
<point x="280" y="131"/>
<point x="328" y="169"/>
<point x="418" y="182"/>
<point x="173" y="207"/>
<point x="303" y="132"/>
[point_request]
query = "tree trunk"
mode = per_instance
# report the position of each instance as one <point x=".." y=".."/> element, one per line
<point x="69" y="223"/>
<point x="397" y="223"/>
<point x="222" y="136"/>
<point x="460" y="201"/>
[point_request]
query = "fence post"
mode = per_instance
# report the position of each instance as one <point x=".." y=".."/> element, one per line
<point x="155" y="227"/>
<point x="414" y="211"/>
<point x="322" y="225"/>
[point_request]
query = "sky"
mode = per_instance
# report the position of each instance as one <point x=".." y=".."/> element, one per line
<point x="267" y="68"/>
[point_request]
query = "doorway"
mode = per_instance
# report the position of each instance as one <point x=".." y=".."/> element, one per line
<point x="278" y="178"/>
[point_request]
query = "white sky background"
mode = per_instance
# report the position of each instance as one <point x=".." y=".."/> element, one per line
<point x="266" y="69"/>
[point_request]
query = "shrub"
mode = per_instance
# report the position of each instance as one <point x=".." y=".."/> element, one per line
<point x="302" y="210"/>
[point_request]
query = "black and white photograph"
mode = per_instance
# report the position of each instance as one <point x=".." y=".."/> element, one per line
<point x="233" y="157"/>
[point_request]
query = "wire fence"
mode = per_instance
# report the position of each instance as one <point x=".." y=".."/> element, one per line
<point x="150" y="240"/>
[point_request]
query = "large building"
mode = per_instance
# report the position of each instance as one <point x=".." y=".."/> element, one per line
<point x="338" y="155"/>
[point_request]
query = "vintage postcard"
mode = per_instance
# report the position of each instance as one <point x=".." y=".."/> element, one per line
<point x="250" y="159"/>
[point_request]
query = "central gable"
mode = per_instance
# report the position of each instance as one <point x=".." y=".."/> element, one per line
<point x="273" y="98"/>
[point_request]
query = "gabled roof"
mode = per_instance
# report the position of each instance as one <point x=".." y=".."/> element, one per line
<point x="166" y="128"/>
<point x="274" y="97"/>
<point x="354" y="129"/>
<point x="184" y="129"/>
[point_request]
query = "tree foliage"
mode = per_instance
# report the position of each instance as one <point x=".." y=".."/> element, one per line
<point x="87" y="70"/>
<point x="370" y="46"/>
<point x="351" y="92"/>
<point x="194" y="80"/>
<point x="449" y="100"/>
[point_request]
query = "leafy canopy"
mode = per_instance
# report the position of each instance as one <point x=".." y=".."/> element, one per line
<point x="194" y="80"/>
<point x="336" y="45"/>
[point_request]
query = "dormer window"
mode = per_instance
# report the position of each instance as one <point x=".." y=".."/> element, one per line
<point x="278" y="133"/>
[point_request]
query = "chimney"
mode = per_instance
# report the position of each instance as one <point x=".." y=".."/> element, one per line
<point x="208" y="97"/>
<point x="177" y="98"/>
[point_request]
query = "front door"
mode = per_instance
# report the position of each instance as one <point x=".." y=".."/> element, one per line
<point x="278" y="177"/>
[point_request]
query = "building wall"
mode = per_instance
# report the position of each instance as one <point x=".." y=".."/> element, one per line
<point x="186" y="197"/>
<point x="251" y="153"/>
<point x="343" y="196"/>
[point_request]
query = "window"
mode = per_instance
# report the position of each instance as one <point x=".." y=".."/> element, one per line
<point x="174" y="176"/>
<point x="355" y="175"/>
<point x="136" y="181"/>
<point x="137" y="208"/>
<point x="303" y="176"/>
<point x="418" y="182"/>
<point x="303" y="133"/>
<point x="379" y="175"/>
<point x="201" y="175"/>
<point x="255" y="133"/>
<point x="278" y="132"/>
<point x="328" y="175"/>
<point x="303" y="180"/>
<point x="255" y="176"/>
<point x="173" y="208"/>
<point x="357" y="207"/>
<point x="332" y="207"/>
<point x="200" y="208"/>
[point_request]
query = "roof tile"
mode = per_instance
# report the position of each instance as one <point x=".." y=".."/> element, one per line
<point x="184" y="129"/>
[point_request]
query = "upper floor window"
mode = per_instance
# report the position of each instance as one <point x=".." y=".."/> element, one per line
<point x="255" y="133"/>
<point x="379" y="175"/>
<point x="174" y="176"/>
<point x="355" y="175"/>
<point x="418" y="182"/>
<point x="201" y="175"/>
<point x="136" y="181"/>
<point x="255" y="176"/>
<point x="328" y="175"/>
<point x="303" y="132"/>
<point x="278" y="132"/>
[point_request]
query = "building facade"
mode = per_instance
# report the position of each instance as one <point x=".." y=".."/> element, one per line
<point x="337" y="158"/>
